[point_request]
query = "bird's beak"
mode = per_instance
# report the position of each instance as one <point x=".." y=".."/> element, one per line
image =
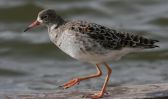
<point x="34" y="24"/>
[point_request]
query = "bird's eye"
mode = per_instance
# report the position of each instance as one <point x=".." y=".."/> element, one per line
<point x="45" y="17"/>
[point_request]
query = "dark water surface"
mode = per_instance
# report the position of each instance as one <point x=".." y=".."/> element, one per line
<point x="30" y="61"/>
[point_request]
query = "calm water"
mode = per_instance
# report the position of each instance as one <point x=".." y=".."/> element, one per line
<point x="29" y="61"/>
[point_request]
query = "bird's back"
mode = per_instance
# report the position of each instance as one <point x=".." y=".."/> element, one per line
<point x="111" y="38"/>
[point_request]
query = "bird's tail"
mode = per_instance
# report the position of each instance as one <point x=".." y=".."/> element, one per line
<point x="136" y="41"/>
<point x="145" y="42"/>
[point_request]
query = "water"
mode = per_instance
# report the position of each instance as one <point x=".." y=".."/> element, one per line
<point x="29" y="61"/>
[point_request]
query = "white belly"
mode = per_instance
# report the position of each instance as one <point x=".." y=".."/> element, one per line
<point x="112" y="55"/>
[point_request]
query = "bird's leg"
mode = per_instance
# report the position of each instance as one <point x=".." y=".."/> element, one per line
<point x="98" y="74"/>
<point x="101" y="93"/>
<point x="77" y="80"/>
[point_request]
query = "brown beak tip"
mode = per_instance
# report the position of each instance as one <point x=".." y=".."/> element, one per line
<point x="26" y="29"/>
<point x="34" y="24"/>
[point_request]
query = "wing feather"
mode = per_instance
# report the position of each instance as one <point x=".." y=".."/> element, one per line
<point x="111" y="38"/>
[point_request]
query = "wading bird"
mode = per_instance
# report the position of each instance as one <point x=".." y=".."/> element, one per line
<point x="90" y="42"/>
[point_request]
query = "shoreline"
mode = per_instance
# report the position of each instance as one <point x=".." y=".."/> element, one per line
<point x="147" y="91"/>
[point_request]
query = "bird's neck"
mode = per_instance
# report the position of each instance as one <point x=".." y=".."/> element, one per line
<point x="55" y="30"/>
<point x="56" y="23"/>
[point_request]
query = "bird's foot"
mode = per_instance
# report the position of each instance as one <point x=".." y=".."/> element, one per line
<point x="94" y="96"/>
<point x="97" y="95"/>
<point x="71" y="83"/>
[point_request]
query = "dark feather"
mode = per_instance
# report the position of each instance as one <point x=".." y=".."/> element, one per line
<point x="112" y="39"/>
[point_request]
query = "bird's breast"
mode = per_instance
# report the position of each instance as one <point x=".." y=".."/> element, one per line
<point x="67" y="43"/>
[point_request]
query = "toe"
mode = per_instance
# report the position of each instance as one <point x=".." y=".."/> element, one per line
<point x="93" y="96"/>
<point x="71" y="83"/>
<point x="97" y="95"/>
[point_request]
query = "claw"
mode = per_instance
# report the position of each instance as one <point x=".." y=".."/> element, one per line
<point x="60" y="87"/>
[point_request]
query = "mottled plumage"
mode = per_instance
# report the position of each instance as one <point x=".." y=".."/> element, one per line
<point x="90" y="42"/>
<point x="111" y="38"/>
<point x="86" y="41"/>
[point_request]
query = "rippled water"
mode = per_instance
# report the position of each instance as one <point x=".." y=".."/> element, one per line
<point x="30" y="61"/>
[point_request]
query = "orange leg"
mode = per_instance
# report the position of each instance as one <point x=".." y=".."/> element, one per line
<point x="101" y="93"/>
<point x="77" y="80"/>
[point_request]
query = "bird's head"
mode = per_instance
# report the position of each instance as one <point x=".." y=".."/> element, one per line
<point x="47" y="17"/>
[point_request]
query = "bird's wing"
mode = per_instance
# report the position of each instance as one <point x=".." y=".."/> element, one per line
<point x="111" y="38"/>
